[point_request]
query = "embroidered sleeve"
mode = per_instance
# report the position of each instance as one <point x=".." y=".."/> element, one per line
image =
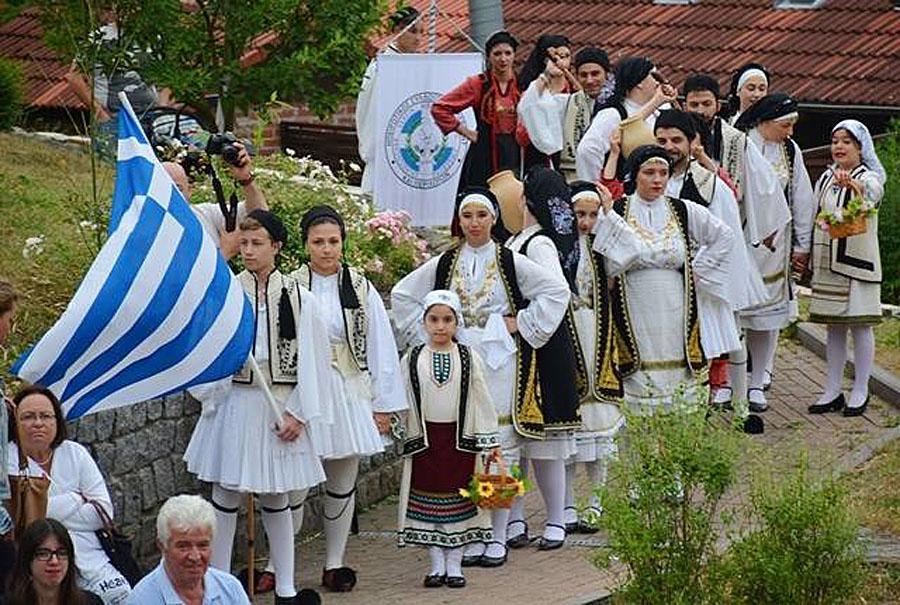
<point x="444" y="110"/>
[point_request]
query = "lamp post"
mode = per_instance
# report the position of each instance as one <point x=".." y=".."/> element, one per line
<point x="485" y="17"/>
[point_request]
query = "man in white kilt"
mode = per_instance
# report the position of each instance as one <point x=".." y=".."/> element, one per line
<point x="239" y="444"/>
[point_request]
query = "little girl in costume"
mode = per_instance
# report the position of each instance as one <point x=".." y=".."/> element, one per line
<point x="451" y="419"/>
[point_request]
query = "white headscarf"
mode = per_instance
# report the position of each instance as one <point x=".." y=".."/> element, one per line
<point x="750" y="73"/>
<point x="861" y="134"/>
<point x="447" y="298"/>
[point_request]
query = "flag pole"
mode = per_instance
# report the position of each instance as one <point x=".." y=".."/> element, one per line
<point x="270" y="398"/>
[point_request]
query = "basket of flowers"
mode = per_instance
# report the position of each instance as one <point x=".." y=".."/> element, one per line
<point x="848" y="220"/>
<point x="496" y="490"/>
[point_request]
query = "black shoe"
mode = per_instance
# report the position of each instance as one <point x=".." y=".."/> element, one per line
<point x="341" y="579"/>
<point x="545" y="544"/>
<point x="308" y="596"/>
<point x="835" y="405"/>
<point x="472" y="560"/>
<point x="583" y="527"/>
<point x="857" y="410"/>
<point x="456" y="582"/>
<point x="521" y="540"/>
<point x="434" y="580"/>
<point x="572" y="526"/>
<point x="487" y="561"/>
<point x="754" y="425"/>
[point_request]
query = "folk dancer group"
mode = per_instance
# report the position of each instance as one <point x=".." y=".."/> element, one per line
<point x="644" y="253"/>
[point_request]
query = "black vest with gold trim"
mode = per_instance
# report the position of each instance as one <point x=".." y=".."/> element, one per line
<point x="619" y="357"/>
<point x="356" y="320"/>
<point x="283" y="355"/>
<point x="527" y="415"/>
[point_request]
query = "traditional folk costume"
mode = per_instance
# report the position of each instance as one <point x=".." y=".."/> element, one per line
<point x="594" y="146"/>
<point x="451" y="419"/>
<point x="495" y="115"/>
<point x="553" y="242"/>
<point x="763" y="211"/>
<point x="739" y="79"/>
<point x="764" y="322"/>
<point x="663" y="253"/>
<point x="600" y="415"/>
<point x="364" y="377"/>
<point x="493" y="282"/>
<point x="234" y="446"/>
<point x="846" y="277"/>
<point x="556" y="123"/>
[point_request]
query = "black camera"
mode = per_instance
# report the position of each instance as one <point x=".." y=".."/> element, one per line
<point x="223" y="144"/>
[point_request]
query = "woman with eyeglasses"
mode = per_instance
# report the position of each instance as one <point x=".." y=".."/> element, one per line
<point x="76" y="488"/>
<point x="45" y="572"/>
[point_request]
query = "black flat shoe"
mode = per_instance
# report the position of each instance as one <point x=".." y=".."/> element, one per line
<point x="472" y="560"/>
<point x="835" y="405"/>
<point x="434" y="580"/>
<point x="308" y="596"/>
<point x="487" y="561"/>
<point x="858" y="410"/>
<point x="583" y="527"/>
<point x="545" y="544"/>
<point x="456" y="582"/>
<point x="520" y="541"/>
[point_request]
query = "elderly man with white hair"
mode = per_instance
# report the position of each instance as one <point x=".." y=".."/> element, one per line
<point x="184" y="532"/>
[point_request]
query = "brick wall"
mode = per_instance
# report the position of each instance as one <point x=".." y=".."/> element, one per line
<point x="246" y="124"/>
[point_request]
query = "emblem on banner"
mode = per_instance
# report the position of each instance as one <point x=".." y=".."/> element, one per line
<point x="419" y="154"/>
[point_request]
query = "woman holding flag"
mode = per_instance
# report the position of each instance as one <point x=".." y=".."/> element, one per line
<point x="240" y="445"/>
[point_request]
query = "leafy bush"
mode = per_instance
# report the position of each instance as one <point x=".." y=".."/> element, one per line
<point x="806" y="550"/>
<point x="888" y="150"/>
<point x="662" y="503"/>
<point x="12" y="95"/>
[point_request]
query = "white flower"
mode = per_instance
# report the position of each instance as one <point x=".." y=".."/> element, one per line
<point x="355" y="167"/>
<point x="839" y="215"/>
<point x="290" y="151"/>
<point x="88" y="225"/>
<point x="33" y="246"/>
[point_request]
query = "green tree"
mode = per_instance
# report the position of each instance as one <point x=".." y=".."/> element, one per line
<point x="308" y="51"/>
<point x="888" y="150"/>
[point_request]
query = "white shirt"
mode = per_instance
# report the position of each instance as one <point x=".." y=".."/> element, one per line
<point x="594" y="144"/>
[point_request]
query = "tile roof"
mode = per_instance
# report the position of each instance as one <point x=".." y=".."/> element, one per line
<point x="846" y="52"/>
<point x="21" y="39"/>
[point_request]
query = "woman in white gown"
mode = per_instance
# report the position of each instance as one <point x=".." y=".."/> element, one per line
<point x="492" y="283"/>
<point x="364" y="375"/>
<point x="239" y="445"/>
<point x="662" y="252"/>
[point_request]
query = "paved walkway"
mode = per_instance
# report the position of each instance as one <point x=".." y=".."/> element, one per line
<point x="392" y="576"/>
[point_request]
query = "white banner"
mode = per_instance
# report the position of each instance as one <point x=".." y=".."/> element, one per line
<point x="417" y="167"/>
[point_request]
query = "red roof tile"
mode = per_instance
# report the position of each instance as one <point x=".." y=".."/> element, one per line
<point x="21" y="39"/>
<point x="846" y="52"/>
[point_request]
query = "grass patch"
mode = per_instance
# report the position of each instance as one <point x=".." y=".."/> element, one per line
<point x="45" y="192"/>
<point x="875" y="491"/>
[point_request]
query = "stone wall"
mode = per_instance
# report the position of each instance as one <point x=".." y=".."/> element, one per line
<point x="139" y="450"/>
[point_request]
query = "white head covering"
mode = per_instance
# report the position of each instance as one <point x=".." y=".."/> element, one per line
<point x="861" y="134"/>
<point x="479" y="199"/>
<point x="750" y="73"/>
<point x="447" y="298"/>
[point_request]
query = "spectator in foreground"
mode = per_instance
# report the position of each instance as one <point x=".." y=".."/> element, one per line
<point x="184" y="531"/>
<point x="45" y="570"/>
<point x="8" y="303"/>
<point x="77" y="488"/>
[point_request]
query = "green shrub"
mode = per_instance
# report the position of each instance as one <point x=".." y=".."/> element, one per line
<point x="12" y="95"/>
<point x="806" y="550"/>
<point x="662" y="503"/>
<point x="888" y="150"/>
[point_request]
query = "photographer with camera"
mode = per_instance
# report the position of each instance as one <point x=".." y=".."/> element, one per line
<point x="219" y="219"/>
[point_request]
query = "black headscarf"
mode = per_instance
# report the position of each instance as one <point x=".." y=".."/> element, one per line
<point x="537" y="60"/>
<point x="733" y="104"/>
<point x="318" y="215"/>
<point x="287" y="329"/>
<point x="579" y="187"/>
<point x="549" y="200"/>
<point x="630" y="71"/>
<point x="770" y="107"/>
<point x="498" y="232"/>
<point x="592" y="54"/>
<point x="271" y="223"/>
<point x="500" y="37"/>
<point x="637" y="159"/>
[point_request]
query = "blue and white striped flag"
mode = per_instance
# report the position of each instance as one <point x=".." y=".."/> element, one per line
<point x="158" y="311"/>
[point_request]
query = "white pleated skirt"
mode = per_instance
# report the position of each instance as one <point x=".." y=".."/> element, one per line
<point x="236" y="447"/>
<point x="352" y="430"/>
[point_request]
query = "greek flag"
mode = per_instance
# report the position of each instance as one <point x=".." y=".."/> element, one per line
<point x="158" y="311"/>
